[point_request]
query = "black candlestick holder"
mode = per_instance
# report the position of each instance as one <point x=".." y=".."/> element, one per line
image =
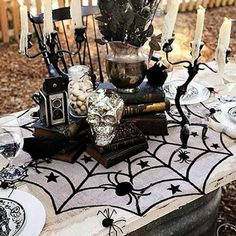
<point x="80" y="37"/>
<point x="50" y="47"/>
<point x="193" y="69"/>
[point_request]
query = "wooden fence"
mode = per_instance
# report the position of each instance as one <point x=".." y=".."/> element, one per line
<point x="9" y="12"/>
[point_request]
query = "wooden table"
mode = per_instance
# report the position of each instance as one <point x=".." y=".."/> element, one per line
<point x="86" y="221"/>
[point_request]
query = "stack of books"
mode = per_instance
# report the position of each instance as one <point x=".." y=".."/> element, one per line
<point x="144" y="114"/>
<point x="75" y="133"/>
<point x="129" y="141"/>
<point x="146" y="109"/>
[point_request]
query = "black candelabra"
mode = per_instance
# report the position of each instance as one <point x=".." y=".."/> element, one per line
<point x="193" y="69"/>
<point x="51" y="49"/>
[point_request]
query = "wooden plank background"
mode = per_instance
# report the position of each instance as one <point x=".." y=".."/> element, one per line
<point x="9" y="12"/>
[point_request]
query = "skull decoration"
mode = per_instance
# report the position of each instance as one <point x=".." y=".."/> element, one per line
<point x="104" y="114"/>
<point x="4" y="223"/>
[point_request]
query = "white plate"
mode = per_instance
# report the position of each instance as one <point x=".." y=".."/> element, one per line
<point x="34" y="211"/>
<point x="12" y="217"/>
<point x="232" y="113"/>
<point x="196" y="92"/>
<point x="223" y="117"/>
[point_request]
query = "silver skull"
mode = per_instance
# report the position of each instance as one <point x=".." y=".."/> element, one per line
<point x="104" y="114"/>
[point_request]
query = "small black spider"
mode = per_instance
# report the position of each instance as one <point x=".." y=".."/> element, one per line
<point x="124" y="188"/>
<point x="183" y="156"/>
<point x="109" y="222"/>
<point x="5" y="185"/>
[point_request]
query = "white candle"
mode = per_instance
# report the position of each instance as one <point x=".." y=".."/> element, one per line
<point x="76" y="14"/>
<point x="200" y="24"/>
<point x="24" y="28"/>
<point x="223" y="45"/>
<point x="170" y="19"/>
<point x="198" y="33"/>
<point x="225" y="31"/>
<point x="48" y="27"/>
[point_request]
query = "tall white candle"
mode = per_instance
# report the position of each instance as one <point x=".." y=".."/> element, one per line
<point x="200" y="24"/>
<point x="24" y="28"/>
<point x="223" y="44"/>
<point x="225" y="31"/>
<point x="48" y="27"/>
<point x="170" y="19"/>
<point x="198" y="33"/>
<point x="76" y="14"/>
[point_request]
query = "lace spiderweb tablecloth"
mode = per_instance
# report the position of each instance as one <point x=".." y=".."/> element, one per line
<point x="162" y="172"/>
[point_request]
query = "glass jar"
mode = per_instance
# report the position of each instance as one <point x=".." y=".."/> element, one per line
<point x="80" y="86"/>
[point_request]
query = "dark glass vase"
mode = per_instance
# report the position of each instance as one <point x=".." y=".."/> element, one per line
<point x="126" y="67"/>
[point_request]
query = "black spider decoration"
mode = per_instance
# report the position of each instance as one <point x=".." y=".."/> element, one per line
<point x="183" y="156"/>
<point x="109" y="222"/>
<point x="124" y="188"/>
<point x="5" y="185"/>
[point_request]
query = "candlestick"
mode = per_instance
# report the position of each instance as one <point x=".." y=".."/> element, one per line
<point x="169" y="21"/>
<point x="193" y="69"/>
<point x="48" y="27"/>
<point x="198" y="33"/>
<point x="76" y="14"/>
<point x="24" y="28"/>
<point x="223" y="45"/>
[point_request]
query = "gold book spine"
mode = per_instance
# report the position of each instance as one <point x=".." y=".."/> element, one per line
<point x="146" y="108"/>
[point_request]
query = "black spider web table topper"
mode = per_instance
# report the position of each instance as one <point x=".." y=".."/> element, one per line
<point x="162" y="172"/>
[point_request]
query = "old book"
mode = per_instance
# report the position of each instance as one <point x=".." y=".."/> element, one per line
<point x="109" y="159"/>
<point x="127" y="135"/>
<point x="58" y="148"/>
<point x="146" y="94"/>
<point x="150" y="124"/>
<point x="146" y="108"/>
<point x="70" y="130"/>
<point x="71" y="152"/>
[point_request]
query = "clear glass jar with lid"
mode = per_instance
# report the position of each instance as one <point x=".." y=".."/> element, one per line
<point x="80" y="86"/>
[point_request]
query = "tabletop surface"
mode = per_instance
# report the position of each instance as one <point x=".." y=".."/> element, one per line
<point x="141" y="189"/>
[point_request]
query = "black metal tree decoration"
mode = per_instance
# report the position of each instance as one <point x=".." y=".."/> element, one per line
<point x="193" y="69"/>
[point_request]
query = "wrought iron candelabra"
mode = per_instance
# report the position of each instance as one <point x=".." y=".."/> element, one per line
<point x="51" y="50"/>
<point x="193" y="69"/>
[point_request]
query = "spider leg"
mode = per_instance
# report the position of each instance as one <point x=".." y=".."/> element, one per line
<point x="116" y="177"/>
<point x="178" y="160"/>
<point x="109" y="231"/>
<point x="130" y="199"/>
<point x="113" y="211"/>
<point x="13" y="188"/>
<point x="112" y="226"/>
<point x="108" y="213"/>
<point x="101" y="213"/>
<point x="118" y="228"/>
<point x="109" y="179"/>
<point x="141" y="189"/>
<point x="119" y="221"/>
<point x="107" y="186"/>
<point x="181" y="161"/>
<point x="142" y="194"/>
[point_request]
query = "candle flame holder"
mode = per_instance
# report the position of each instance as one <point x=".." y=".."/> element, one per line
<point x="193" y="69"/>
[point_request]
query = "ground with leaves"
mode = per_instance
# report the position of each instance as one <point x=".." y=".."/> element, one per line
<point x="20" y="78"/>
